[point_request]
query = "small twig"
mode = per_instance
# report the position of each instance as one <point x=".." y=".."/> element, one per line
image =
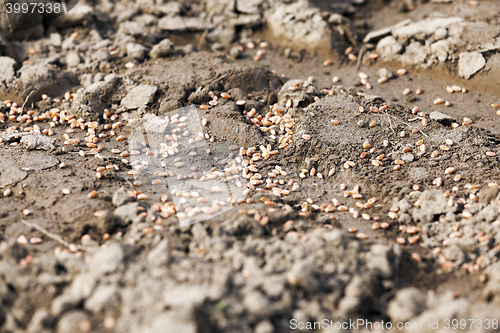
<point x="27" y="97"/>
<point x="409" y="125"/>
<point x="57" y="238"/>
<point x="390" y="122"/>
<point x="360" y="56"/>
<point x="202" y="39"/>
<point x="131" y="185"/>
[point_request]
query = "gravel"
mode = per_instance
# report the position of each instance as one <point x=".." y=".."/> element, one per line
<point x="114" y="256"/>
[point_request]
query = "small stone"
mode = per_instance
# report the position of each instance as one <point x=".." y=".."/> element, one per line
<point x="441" y="118"/>
<point x="385" y="73"/>
<point x="7" y="71"/>
<point x="136" y="51"/>
<point x="72" y="59"/>
<point x="235" y="52"/>
<point x="55" y="39"/>
<point x="470" y="63"/>
<point x="160" y="255"/>
<point x="255" y="302"/>
<point x="264" y="326"/>
<point x="407" y="304"/>
<point x="70" y="322"/>
<point x="121" y="197"/>
<point x="64" y="303"/>
<point x="37" y="142"/>
<point x="408" y="158"/>
<point x="103" y="296"/>
<point x="106" y="222"/>
<point x="139" y="96"/>
<point x="163" y="49"/>
<point x="107" y="260"/>
<point x="171" y="322"/>
<point x="126" y="214"/>
<point x="388" y="47"/>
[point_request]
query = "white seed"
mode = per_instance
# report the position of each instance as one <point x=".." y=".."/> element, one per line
<point x="35" y="240"/>
<point x="22" y="240"/>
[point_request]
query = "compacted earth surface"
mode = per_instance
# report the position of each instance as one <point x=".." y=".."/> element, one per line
<point x="251" y="166"/>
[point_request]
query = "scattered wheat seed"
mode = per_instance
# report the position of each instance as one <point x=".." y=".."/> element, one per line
<point x="7" y="192"/>
<point x="362" y="236"/>
<point x="352" y="230"/>
<point x="491" y="154"/>
<point x="26" y="212"/>
<point x="419" y="91"/>
<point x="92" y="194"/>
<point x="438" y="101"/>
<point x="401" y="240"/>
<point x="401" y="71"/>
<point x="22" y="240"/>
<point x="447" y="103"/>
<point x="438" y="181"/>
<point x="415" y="256"/>
<point x="372" y="124"/>
<point x="407" y="91"/>
<point x="35" y="240"/>
<point x="449" y="170"/>
<point x="457" y="178"/>
<point x="66" y="191"/>
<point x="393" y="215"/>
